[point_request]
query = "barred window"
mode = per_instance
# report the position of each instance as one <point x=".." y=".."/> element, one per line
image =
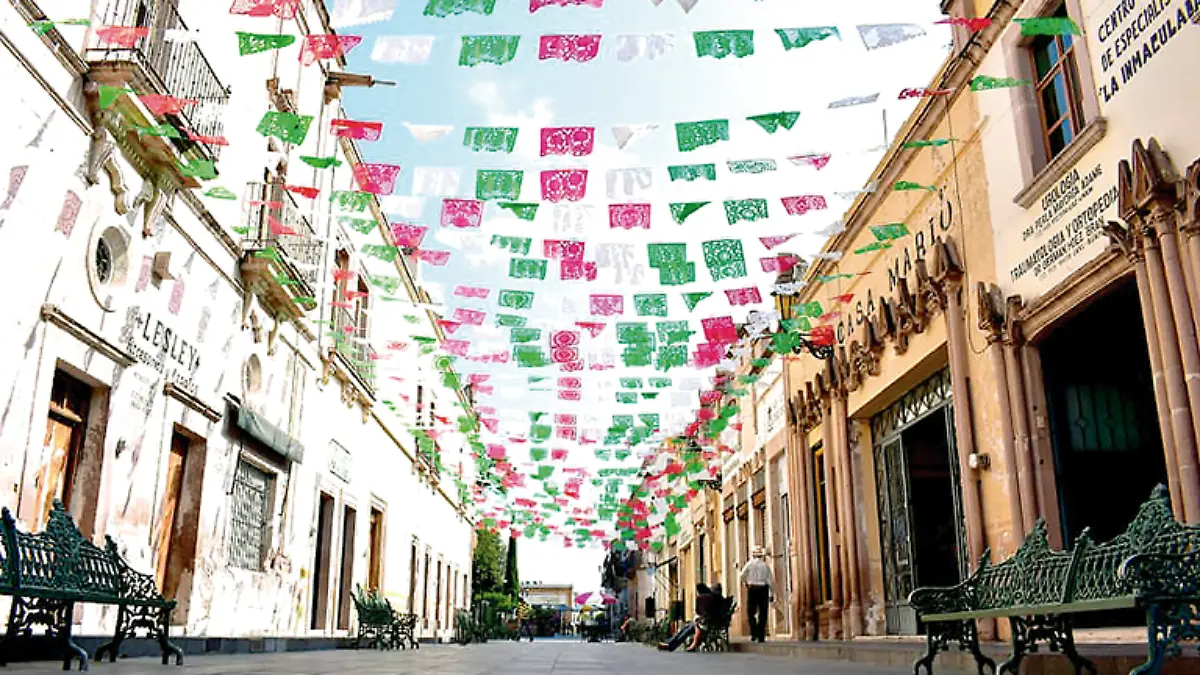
<point x="250" y="517"/>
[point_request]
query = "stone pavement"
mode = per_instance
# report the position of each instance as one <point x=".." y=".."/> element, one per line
<point x="543" y="657"/>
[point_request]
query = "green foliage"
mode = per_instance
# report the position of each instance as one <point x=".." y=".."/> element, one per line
<point x="487" y="567"/>
<point x="512" y="579"/>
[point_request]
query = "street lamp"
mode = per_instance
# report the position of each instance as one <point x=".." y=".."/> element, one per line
<point x="819" y="344"/>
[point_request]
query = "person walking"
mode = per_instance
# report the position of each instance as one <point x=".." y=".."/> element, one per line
<point x="760" y="585"/>
<point x="525" y="617"/>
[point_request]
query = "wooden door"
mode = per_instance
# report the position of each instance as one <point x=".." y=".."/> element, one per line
<point x="375" y="551"/>
<point x="172" y="493"/>
<point x="65" y="424"/>
<point x="346" y="585"/>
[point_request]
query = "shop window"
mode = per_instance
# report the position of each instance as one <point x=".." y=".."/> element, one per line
<point x="1060" y="103"/>
<point x="250" y="518"/>
<point x="824" y="587"/>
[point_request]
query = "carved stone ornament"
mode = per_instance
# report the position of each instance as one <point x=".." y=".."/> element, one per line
<point x="946" y="265"/>
<point x="864" y="356"/>
<point x="101" y="157"/>
<point x="153" y="198"/>
<point x="929" y="290"/>
<point x="1013" y="306"/>
<point x="1121" y="239"/>
<point x="1189" y="194"/>
<point x="991" y="311"/>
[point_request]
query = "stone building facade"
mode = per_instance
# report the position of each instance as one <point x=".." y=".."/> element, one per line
<point x="170" y="371"/>
<point x="1024" y="351"/>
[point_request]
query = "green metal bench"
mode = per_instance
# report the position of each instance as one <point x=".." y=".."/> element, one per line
<point x="380" y="625"/>
<point x="1154" y="565"/>
<point x="48" y="572"/>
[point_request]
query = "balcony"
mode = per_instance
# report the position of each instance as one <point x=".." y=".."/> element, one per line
<point x="155" y="64"/>
<point x="283" y="256"/>
<point x="358" y="356"/>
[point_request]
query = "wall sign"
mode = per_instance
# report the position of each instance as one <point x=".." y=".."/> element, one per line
<point x="159" y="345"/>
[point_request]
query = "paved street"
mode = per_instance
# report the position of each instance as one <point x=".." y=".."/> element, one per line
<point x="560" y="657"/>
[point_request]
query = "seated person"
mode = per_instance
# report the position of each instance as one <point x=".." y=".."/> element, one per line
<point x="704" y="603"/>
<point x="714" y="609"/>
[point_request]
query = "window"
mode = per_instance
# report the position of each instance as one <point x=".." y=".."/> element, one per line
<point x="1060" y="107"/>
<point x="250" y="516"/>
<point x="375" y="551"/>
<point x="412" y="580"/>
<point x="822" y="525"/>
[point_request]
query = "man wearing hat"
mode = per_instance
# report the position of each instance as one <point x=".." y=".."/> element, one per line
<point x="760" y="584"/>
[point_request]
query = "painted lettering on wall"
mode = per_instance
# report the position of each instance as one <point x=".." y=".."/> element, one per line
<point x="1133" y="33"/>
<point x="162" y="347"/>
<point x="1067" y="238"/>
<point x="926" y="230"/>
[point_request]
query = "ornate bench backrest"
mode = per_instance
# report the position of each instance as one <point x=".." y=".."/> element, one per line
<point x="1153" y="530"/>
<point x="59" y="561"/>
<point x="1034" y="575"/>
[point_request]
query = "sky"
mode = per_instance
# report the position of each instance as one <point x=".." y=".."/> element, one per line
<point x="603" y="93"/>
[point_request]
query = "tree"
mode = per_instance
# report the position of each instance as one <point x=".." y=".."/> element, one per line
<point x="487" y="565"/>
<point x="512" y="580"/>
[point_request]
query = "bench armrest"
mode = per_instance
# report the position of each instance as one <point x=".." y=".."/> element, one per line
<point x="940" y="600"/>
<point x="1162" y="576"/>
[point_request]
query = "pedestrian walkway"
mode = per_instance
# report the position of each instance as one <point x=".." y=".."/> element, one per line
<point x="549" y="657"/>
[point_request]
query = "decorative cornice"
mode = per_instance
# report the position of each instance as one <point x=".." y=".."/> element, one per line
<point x="52" y="314"/>
<point x="172" y="390"/>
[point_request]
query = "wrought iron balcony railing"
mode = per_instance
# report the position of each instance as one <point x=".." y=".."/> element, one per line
<point x="357" y="354"/>
<point x="274" y="221"/>
<point x="167" y="60"/>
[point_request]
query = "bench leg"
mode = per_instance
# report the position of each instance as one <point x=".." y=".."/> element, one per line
<point x="1056" y="631"/>
<point x="113" y="646"/>
<point x="164" y="634"/>
<point x="939" y="635"/>
<point x="1168" y="624"/>
<point x="70" y="649"/>
<point x="14" y="619"/>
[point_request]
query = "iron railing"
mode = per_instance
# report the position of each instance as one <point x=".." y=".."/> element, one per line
<point x="359" y="355"/>
<point x="274" y="220"/>
<point x="171" y="63"/>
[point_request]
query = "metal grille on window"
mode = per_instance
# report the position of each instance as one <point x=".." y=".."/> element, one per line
<point x="248" y="522"/>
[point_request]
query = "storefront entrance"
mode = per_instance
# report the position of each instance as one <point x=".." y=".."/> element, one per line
<point x="1108" y="450"/>
<point x="920" y="511"/>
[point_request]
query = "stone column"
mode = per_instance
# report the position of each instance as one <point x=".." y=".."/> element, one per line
<point x="828" y="434"/>
<point x="991" y="321"/>
<point x="948" y="272"/>
<point x="1018" y="406"/>
<point x="1147" y="195"/>
<point x="1041" y="448"/>
<point x="853" y="624"/>
<point x="1189" y="223"/>
<point x="798" y="486"/>
<point x="1123" y="239"/>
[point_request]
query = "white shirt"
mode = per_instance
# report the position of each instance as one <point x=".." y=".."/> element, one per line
<point x="758" y="573"/>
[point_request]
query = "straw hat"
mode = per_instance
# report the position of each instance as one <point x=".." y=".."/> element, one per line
<point x="758" y="552"/>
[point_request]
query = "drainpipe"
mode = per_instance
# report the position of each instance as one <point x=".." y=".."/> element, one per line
<point x="1020" y="423"/>
<point x="852" y="624"/>
<point x="992" y="322"/>
<point x="956" y="344"/>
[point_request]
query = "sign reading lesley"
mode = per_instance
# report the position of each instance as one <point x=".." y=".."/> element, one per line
<point x="157" y="344"/>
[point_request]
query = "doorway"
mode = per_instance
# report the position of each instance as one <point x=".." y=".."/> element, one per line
<point x="320" y="587"/>
<point x="346" y="580"/>
<point x="921" y="529"/>
<point x="375" y="551"/>
<point x="66" y="426"/>
<point x="179" y="519"/>
<point x="1108" y="450"/>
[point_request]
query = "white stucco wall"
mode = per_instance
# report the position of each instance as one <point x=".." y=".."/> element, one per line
<point x="43" y="264"/>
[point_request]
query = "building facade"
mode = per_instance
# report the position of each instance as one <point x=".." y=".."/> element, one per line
<point x="197" y="377"/>
<point x="1023" y="350"/>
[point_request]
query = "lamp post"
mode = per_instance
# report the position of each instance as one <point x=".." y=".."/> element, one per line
<point x="819" y="345"/>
